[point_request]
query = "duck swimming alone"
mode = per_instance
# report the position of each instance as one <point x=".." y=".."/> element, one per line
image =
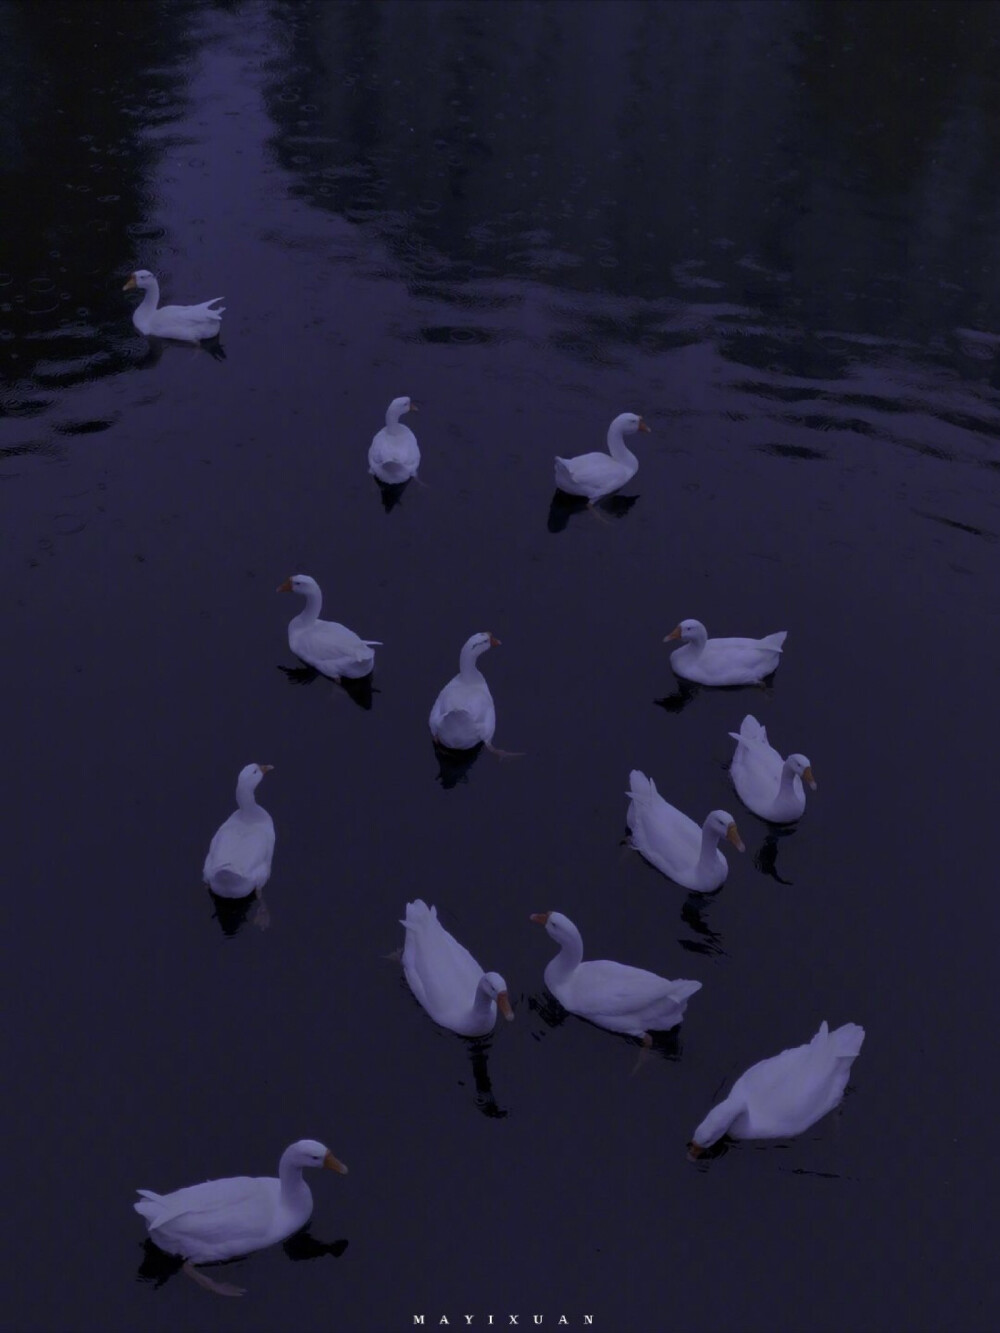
<point x="723" y="661"/>
<point x="770" y="786"/>
<point x="446" y="979"/>
<point x="393" y="455"/>
<point x="612" y="995"/>
<point x="326" y="645"/>
<point x="674" y="843"/>
<point x="239" y="856"/>
<point x="463" y="715"/>
<point x="220" y="1219"/>
<point x="186" y="323"/>
<point x="786" y="1094"/>
<point x="596" y="475"/>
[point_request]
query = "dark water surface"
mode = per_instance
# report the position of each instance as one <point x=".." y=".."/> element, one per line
<point x="770" y="228"/>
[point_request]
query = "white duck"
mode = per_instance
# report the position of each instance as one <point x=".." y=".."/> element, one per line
<point x="596" y="475"/>
<point x="393" y="455"/>
<point x="326" y="645"/>
<point x="674" y="843"/>
<point x="446" y="979"/>
<point x="612" y="995"/>
<point x="239" y="856"/>
<point x="787" y="1093"/>
<point x="187" y="323"/>
<point x="463" y="715"/>
<point x="768" y="785"/>
<point x="723" y="661"/>
<point x="220" y="1219"/>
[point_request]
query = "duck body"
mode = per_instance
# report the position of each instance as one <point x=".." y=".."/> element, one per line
<point x="723" y="661"/>
<point x="331" y="648"/>
<point x="240" y="854"/>
<point x="787" y="1093"/>
<point x="770" y="786"/>
<point x="675" y="844"/>
<point x="612" y="995"/>
<point x="446" y="979"/>
<point x="596" y="475"/>
<point x="394" y="455"/>
<point x="220" y="1219"/>
<point x="186" y="323"/>
<point x="463" y="715"/>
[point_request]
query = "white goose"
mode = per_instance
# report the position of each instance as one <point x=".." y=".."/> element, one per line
<point x="239" y="856"/>
<point x="220" y="1219"/>
<point x="723" y="661"/>
<point x="446" y="979"/>
<point x="463" y="715"/>
<point x="326" y="645"/>
<point x="187" y="323"/>
<point x="393" y="455"/>
<point x="612" y="995"/>
<point x="596" y="475"/>
<point x="674" y="843"/>
<point x="786" y="1094"/>
<point x="770" y="786"/>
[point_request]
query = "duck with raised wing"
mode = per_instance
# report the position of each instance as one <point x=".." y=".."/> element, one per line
<point x="463" y="715"/>
<point x="723" y="661"/>
<point x="186" y="323"/>
<point x="770" y="786"/>
<point x="596" y="475"/>
<point x="221" y="1219"/>
<point x="240" y="854"/>
<point x="674" y="843"/>
<point x="612" y="995"/>
<point x="331" y="648"/>
<point x="446" y="979"/>
<point x="787" y="1093"/>
<point x="393" y="455"/>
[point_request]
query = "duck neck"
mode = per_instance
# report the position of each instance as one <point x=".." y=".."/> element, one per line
<point x="786" y="787"/>
<point x="392" y="417"/>
<point x="151" y="298"/>
<point x="245" y="798"/>
<point x="482" y="1006"/>
<point x="467" y="668"/>
<point x="717" y="1122"/>
<point x="295" y="1193"/>
<point x="568" y="959"/>
<point x="310" y="612"/>
<point x="617" y="447"/>
<point x="709" y="845"/>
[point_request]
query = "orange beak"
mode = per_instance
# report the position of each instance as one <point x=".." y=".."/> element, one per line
<point x="643" y="427"/>
<point x="266" y="768"/>
<point x="494" y="643"/>
<point x="413" y="407"/>
<point x="807" y="777"/>
<point x="541" y="918"/>
<point x="733" y="836"/>
<point x="332" y="1164"/>
<point x="130" y="285"/>
<point x="503" y="1004"/>
<point x="285" y="587"/>
<point x="674" y="634"/>
<point x="695" y="1150"/>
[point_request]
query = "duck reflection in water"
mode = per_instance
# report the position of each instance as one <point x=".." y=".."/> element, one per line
<point x="693" y="914"/>
<point x="682" y="696"/>
<point x="563" y="507"/>
<point x="360" y="691"/>
<point x="155" y="348"/>
<point x="766" y="859"/>
<point x="390" y="494"/>
<point x="454" y="765"/>
<point x="232" y="914"/>
<point x="485" y="1101"/>
<point x="158" y="1267"/>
